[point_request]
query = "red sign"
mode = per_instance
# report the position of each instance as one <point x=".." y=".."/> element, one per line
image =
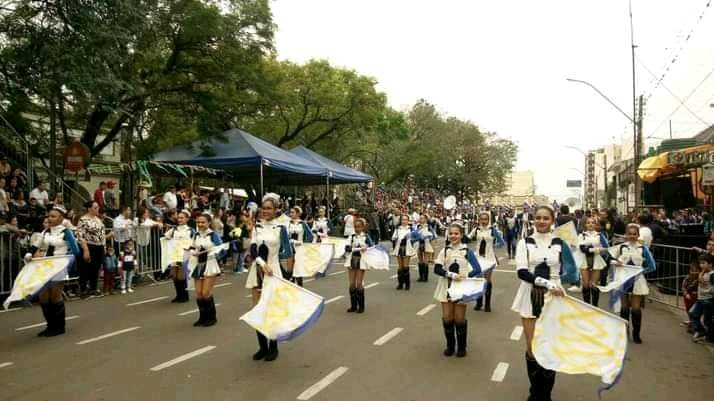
<point x="76" y="156"/>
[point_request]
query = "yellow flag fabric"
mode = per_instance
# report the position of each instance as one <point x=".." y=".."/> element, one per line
<point x="285" y="310"/>
<point x="339" y="244"/>
<point x="567" y="233"/>
<point x="314" y="258"/>
<point x="34" y="275"/>
<point x="172" y="251"/>
<point x="574" y="337"/>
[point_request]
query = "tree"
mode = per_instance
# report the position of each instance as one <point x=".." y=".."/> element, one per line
<point x="106" y="65"/>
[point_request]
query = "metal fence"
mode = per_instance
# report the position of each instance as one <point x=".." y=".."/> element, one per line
<point x="12" y="247"/>
<point x="672" y="267"/>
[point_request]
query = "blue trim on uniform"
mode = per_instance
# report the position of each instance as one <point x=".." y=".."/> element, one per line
<point x="648" y="261"/>
<point x="306" y="233"/>
<point x="473" y="261"/>
<point x="369" y="242"/>
<point x="569" y="270"/>
<point x="497" y="237"/>
<point x="286" y="251"/>
<point x="71" y="242"/>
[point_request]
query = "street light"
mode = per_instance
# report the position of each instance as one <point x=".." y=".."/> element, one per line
<point x="604" y="172"/>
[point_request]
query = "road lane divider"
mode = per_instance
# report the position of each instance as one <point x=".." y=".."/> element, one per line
<point x="146" y="301"/>
<point x="108" y="335"/>
<point x="32" y="326"/>
<point x="188" y="312"/>
<point x="322" y="384"/>
<point x="331" y="300"/>
<point x="500" y="372"/>
<point x="516" y="333"/>
<point x="391" y="334"/>
<point x="182" y="358"/>
<point x="366" y="287"/>
<point x="426" y="309"/>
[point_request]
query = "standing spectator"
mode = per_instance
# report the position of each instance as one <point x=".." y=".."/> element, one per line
<point x="123" y="227"/>
<point x="4" y="199"/>
<point x="90" y="231"/>
<point x="40" y="194"/>
<point x="5" y="168"/>
<point x="110" y="200"/>
<point x="564" y="216"/>
<point x="36" y="215"/>
<point x="373" y="224"/>
<point x="99" y="194"/>
<point x="21" y="178"/>
<point x="349" y="221"/>
<point x="20" y="208"/>
<point x="704" y="307"/>
<point x="13" y="188"/>
<point x="127" y="263"/>
<point x="645" y="232"/>
<point x="110" y="269"/>
<point x="690" y="284"/>
<point x="181" y="199"/>
<point x="170" y="198"/>
<point x="224" y="202"/>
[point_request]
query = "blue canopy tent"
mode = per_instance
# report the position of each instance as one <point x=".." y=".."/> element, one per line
<point x="338" y="173"/>
<point x="250" y="158"/>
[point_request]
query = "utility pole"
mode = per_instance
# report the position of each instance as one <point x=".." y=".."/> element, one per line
<point x="604" y="174"/>
<point x="53" y="149"/>
<point x="636" y="151"/>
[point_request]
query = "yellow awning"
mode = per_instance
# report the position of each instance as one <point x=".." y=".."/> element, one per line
<point x="654" y="167"/>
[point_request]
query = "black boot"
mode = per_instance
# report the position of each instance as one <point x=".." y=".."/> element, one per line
<point x="183" y="293"/>
<point x="479" y="303"/>
<point x="298" y="281"/>
<point x="177" y="287"/>
<point x="407" y="280"/>
<point x="57" y="319"/>
<point x="533" y="369"/>
<point x="48" y="319"/>
<point x="201" y="313"/>
<point x="594" y="296"/>
<point x="272" y="351"/>
<point x="547" y="381"/>
<point x="426" y="272"/>
<point x="288" y="276"/>
<point x="487" y="295"/>
<point x="400" y="279"/>
<point x="461" y="331"/>
<point x="210" y="319"/>
<point x="263" y="347"/>
<point x="625" y="314"/>
<point x="586" y="295"/>
<point x="360" y="300"/>
<point x="449" y="333"/>
<point x="353" y="300"/>
<point x="423" y="271"/>
<point x="636" y="325"/>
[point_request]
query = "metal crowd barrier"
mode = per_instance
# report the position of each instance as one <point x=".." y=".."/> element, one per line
<point x="12" y="249"/>
<point x="672" y="267"/>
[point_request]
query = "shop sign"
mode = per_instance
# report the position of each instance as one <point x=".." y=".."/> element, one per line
<point x="708" y="175"/>
<point x="683" y="158"/>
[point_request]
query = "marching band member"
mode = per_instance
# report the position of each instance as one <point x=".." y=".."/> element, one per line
<point x="181" y="231"/>
<point x="633" y="253"/>
<point x="299" y="233"/>
<point x="589" y="259"/>
<point x="485" y="236"/>
<point x="269" y="243"/>
<point x="455" y="262"/>
<point x="539" y="260"/>
<point x="356" y="266"/>
<point x="321" y="226"/>
<point x="55" y="240"/>
<point x="511" y="235"/>
<point x="426" y="248"/>
<point x="403" y="250"/>
<point x="205" y="273"/>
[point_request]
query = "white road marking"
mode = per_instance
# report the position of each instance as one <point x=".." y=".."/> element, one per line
<point x="182" y="358"/>
<point x="308" y="280"/>
<point x="392" y="333"/>
<point x="112" y="334"/>
<point x="6" y="364"/>
<point x="394" y="276"/>
<point x="504" y="271"/>
<point x="146" y="301"/>
<point x="188" y="312"/>
<point x="371" y="285"/>
<point x="161" y="283"/>
<point x="517" y="332"/>
<point x="319" y="386"/>
<point x="335" y="273"/>
<point x="32" y="326"/>
<point x="222" y="285"/>
<point x="500" y="372"/>
<point x="331" y="300"/>
<point x="9" y="310"/>
<point x="248" y="296"/>
<point x="426" y="309"/>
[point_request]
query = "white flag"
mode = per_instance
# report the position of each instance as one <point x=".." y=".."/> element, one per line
<point x="35" y="275"/>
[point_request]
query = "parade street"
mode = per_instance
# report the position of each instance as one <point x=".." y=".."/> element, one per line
<point x="141" y="347"/>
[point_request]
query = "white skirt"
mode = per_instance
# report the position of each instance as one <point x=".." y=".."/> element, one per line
<point x="598" y="262"/>
<point x="441" y="291"/>
<point x="640" y="287"/>
<point x="252" y="280"/>
<point x="212" y="270"/>
<point x="522" y="302"/>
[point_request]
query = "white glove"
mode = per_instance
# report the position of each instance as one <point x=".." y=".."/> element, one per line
<point x="297" y="243"/>
<point x="452" y="275"/>
<point x="193" y="252"/>
<point x="541" y="282"/>
<point x="259" y="261"/>
<point x="28" y="257"/>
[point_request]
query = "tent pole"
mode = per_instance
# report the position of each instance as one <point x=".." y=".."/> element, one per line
<point x="329" y="198"/>
<point x="261" y="181"/>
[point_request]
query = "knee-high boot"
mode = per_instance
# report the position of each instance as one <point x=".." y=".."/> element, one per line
<point x="636" y="325"/>
<point x="461" y="336"/>
<point x="487" y="295"/>
<point x="201" y="312"/>
<point x="407" y="279"/>
<point x="533" y="369"/>
<point x="426" y="272"/>
<point x="210" y="312"/>
<point x="421" y="272"/>
<point x="586" y="294"/>
<point x="48" y="319"/>
<point x="262" y="347"/>
<point x="595" y="296"/>
<point x="449" y="333"/>
<point x="272" y="351"/>
<point x="547" y="380"/>
<point x="353" y="300"/>
<point x="183" y="285"/>
<point x="625" y="314"/>
<point x="56" y="314"/>
<point x="360" y="300"/>
<point x="177" y="287"/>
<point x="479" y="303"/>
<point x="400" y="279"/>
<point x="298" y="281"/>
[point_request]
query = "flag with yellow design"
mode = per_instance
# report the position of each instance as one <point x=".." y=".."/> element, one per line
<point x="574" y="337"/>
<point x="172" y="251"/>
<point x="313" y="258"/>
<point x="36" y="274"/>
<point x="567" y="233"/>
<point x="339" y="243"/>
<point x="285" y="310"/>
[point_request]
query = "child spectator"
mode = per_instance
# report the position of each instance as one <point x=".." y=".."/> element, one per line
<point x="689" y="290"/>
<point x="127" y="263"/>
<point x="110" y="269"/>
<point x="705" y="302"/>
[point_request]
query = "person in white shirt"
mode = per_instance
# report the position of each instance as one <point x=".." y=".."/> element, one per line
<point x="349" y="223"/>
<point x="40" y="194"/>
<point x="170" y="198"/>
<point x="123" y="227"/>
<point x="645" y="232"/>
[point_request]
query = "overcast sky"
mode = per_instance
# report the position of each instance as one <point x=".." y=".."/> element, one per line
<point x="502" y="64"/>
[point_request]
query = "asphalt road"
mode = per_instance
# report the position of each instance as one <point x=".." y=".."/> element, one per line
<point x="335" y="360"/>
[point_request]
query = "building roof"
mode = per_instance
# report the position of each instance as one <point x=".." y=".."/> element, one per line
<point x="706" y="136"/>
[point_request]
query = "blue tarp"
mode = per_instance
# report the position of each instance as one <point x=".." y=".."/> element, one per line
<point x="242" y="153"/>
<point x="338" y="172"/>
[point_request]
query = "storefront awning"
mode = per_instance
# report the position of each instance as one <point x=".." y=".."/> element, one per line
<point x="669" y="163"/>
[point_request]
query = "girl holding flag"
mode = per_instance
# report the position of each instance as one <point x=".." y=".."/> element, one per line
<point x="455" y="262"/>
<point x="426" y="249"/>
<point x="485" y="236"/>
<point x="355" y="264"/>
<point x="181" y="231"/>
<point x="206" y="269"/>
<point x="321" y="226"/>
<point x="269" y="243"/>
<point x="55" y="240"/>
<point x="633" y="253"/>
<point x="299" y="234"/>
<point x="540" y="259"/>
<point x="592" y="245"/>
<point x="403" y="250"/>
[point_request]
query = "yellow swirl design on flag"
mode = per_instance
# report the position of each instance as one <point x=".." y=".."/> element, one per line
<point x="34" y="275"/>
<point x="285" y="310"/>
<point x="574" y="337"/>
<point x="172" y="251"/>
<point x="314" y="258"/>
<point x="567" y="233"/>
